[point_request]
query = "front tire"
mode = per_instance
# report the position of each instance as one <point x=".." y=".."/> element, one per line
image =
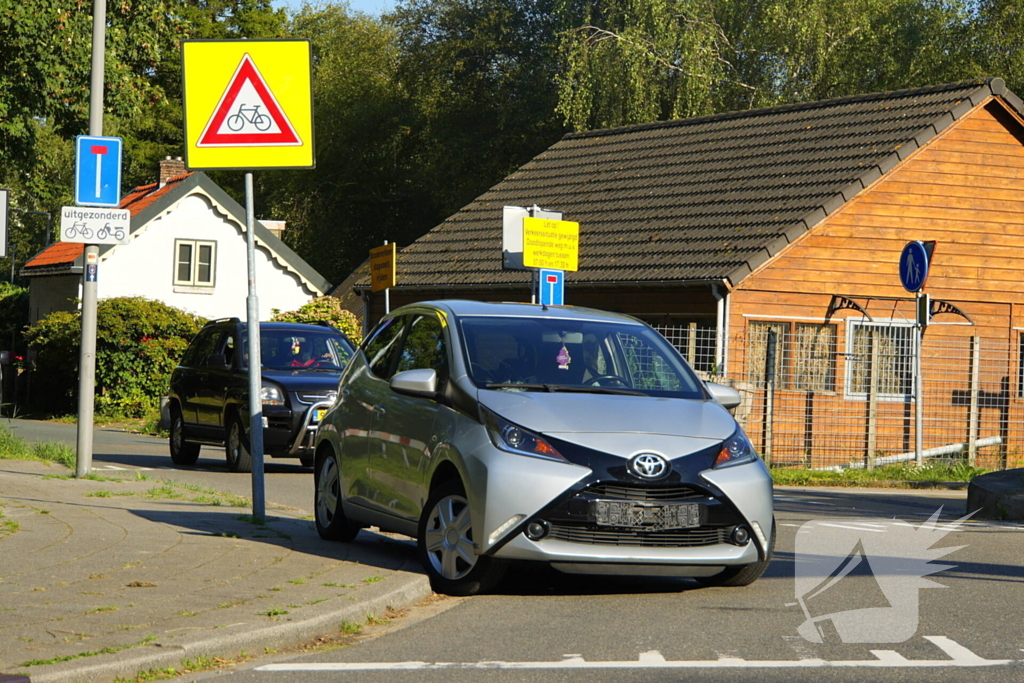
<point x="743" y="575"/>
<point x="445" y="545"/>
<point x="236" y="447"/>
<point x="182" y="452"/>
<point x="331" y="523"/>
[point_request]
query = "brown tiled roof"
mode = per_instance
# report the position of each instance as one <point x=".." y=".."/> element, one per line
<point x="62" y="253"/>
<point x="697" y="199"/>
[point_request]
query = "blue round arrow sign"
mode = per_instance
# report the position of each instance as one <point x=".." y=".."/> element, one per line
<point x="914" y="266"/>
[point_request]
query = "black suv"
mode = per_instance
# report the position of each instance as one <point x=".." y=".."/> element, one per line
<point x="208" y="400"/>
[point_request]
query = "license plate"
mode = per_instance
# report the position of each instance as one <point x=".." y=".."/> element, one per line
<point x="647" y="515"/>
<point x="318" y="414"/>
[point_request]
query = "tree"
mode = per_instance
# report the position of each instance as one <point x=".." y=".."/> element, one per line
<point x="634" y="61"/>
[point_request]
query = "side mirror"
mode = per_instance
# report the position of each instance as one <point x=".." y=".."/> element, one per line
<point x="217" y="361"/>
<point x="727" y="396"/>
<point x="421" y="383"/>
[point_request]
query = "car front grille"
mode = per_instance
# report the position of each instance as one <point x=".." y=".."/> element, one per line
<point x="315" y="396"/>
<point x="674" y="538"/>
<point x="625" y="491"/>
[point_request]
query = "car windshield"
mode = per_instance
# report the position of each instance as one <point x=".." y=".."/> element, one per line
<point x="541" y="354"/>
<point x="301" y="349"/>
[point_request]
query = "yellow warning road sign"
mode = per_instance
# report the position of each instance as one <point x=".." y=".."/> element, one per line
<point x="382" y="267"/>
<point x="248" y="104"/>
<point x="551" y="244"/>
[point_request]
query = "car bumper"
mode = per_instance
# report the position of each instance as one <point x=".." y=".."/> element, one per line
<point x="522" y="489"/>
<point x="292" y="434"/>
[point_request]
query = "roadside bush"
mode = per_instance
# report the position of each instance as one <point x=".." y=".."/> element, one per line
<point x="13" y="318"/>
<point x="327" y="309"/>
<point x="138" y="344"/>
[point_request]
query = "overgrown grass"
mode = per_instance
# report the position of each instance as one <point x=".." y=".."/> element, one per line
<point x="13" y="447"/>
<point x="899" y="476"/>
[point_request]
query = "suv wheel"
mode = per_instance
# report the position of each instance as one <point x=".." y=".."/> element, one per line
<point x="237" y="447"/>
<point x="331" y="523"/>
<point x="182" y="452"/>
<point x="445" y="545"/>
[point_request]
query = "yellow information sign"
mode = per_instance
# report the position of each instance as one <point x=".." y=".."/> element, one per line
<point x="248" y="104"/>
<point x="382" y="267"/>
<point x="551" y="244"/>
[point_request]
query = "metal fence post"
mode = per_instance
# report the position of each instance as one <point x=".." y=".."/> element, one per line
<point x="873" y="366"/>
<point x="973" y="419"/>
<point x="769" y="396"/>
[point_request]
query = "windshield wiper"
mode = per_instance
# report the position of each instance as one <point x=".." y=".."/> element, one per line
<point x="525" y="387"/>
<point x="595" y="390"/>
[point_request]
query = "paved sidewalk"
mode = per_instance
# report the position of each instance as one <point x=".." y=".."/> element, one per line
<point x="127" y="575"/>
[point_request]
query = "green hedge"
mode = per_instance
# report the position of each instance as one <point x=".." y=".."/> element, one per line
<point x="327" y="309"/>
<point x="138" y="344"/>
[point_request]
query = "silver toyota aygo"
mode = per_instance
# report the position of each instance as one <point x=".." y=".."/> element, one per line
<point x="504" y="432"/>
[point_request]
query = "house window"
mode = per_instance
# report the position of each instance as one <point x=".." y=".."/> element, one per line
<point x="757" y="352"/>
<point x="885" y="348"/>
<point x="195" y="262"/>
<point x="814" y="354"/>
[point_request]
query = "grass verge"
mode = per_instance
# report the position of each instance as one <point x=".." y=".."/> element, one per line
<point x="888" y="476"/>
<point x="13" y="447"/>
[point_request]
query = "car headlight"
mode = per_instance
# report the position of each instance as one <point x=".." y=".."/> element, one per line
<point x="736" y="450"/>
<point x="515" y="439"/>
<point x="271" y="395"/>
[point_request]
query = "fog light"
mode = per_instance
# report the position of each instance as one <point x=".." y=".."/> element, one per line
<point x="740" y="535"/>
<point x="537" y="530"/>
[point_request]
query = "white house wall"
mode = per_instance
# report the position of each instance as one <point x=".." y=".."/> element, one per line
<point x="145" y="267"/>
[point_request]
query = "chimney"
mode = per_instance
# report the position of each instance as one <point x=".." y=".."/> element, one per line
<point x="170" y="168"/>
<point x="275" y="227"/>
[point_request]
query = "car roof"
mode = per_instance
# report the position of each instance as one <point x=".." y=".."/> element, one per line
<point x="466" y="308"/>
<point x="267" y="325"/>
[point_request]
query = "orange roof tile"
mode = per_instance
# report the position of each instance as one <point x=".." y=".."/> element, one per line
<point x="135" y="201"/>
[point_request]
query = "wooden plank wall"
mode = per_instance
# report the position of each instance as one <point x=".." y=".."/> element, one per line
<point x="965" y="190"/>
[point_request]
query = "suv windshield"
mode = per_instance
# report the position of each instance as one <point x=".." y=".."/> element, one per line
<point x="522" y="354"/>
<point x="297" y="349"/>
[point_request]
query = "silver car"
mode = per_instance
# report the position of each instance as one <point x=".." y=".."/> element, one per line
<point x="498" y="432"/>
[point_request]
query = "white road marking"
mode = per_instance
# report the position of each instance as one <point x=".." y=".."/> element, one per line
<point x="855" y="528"/>
<point x="959" y="656"/>
<point x="123" y="469"/>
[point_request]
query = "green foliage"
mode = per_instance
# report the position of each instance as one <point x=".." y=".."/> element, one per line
<point x="13" y="447"/>
<point x="13" y="317"/>
<point x="138" y="343"/>
<point x="327" y="309"/>
<point x="888" y="475"/>
<point x="635" y="61"/>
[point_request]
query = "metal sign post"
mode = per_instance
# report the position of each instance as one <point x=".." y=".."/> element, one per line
<point x="87" y="353"/>
<point x="915" y="260"/>
<point x="249" y="105"/>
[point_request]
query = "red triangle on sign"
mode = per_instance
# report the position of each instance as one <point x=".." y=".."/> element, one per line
<point x="257" y="121"/>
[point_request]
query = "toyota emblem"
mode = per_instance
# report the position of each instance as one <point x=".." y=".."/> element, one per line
<point x="649" y="466"/>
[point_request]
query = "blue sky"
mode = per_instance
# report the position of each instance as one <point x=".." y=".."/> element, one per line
<point x="367" y="6"/>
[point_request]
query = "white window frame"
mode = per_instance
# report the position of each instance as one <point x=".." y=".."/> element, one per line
<point x="885" y="324"/>
<point x="193" y="280"/>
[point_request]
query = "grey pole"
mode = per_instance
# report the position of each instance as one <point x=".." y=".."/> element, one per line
<point x="255" y="364"/>
<point x="87" y="354"/>
<point x="387" y="292"/>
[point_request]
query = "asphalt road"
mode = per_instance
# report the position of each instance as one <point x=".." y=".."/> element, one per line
<point x="544" y="626"/>
<point x="287" y="483"/>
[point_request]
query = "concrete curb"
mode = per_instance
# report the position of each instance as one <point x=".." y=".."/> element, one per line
<point x="998" y="495"/>
<point x="410" y="589"/>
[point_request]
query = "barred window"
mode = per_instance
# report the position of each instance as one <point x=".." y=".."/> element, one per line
<point x="814" y="353"/>
<point x="757" y="352"/>
<point x="894" y="358"/>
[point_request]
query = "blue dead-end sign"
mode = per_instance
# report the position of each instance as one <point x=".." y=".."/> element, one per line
<point x="97" y="171"/>
<point x="552" y="287"/>
<point x="914" y="263"/>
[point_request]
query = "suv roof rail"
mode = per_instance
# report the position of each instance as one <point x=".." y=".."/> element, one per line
<point x="223" y="320"/>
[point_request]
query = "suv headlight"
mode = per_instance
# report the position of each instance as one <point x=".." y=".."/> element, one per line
<point x="271" y="395"/>
<point x="736" y="450"/>
<point x="514" y="439"/>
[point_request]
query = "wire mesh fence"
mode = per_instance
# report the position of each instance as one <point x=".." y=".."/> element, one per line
<point x="811" y="399"/>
